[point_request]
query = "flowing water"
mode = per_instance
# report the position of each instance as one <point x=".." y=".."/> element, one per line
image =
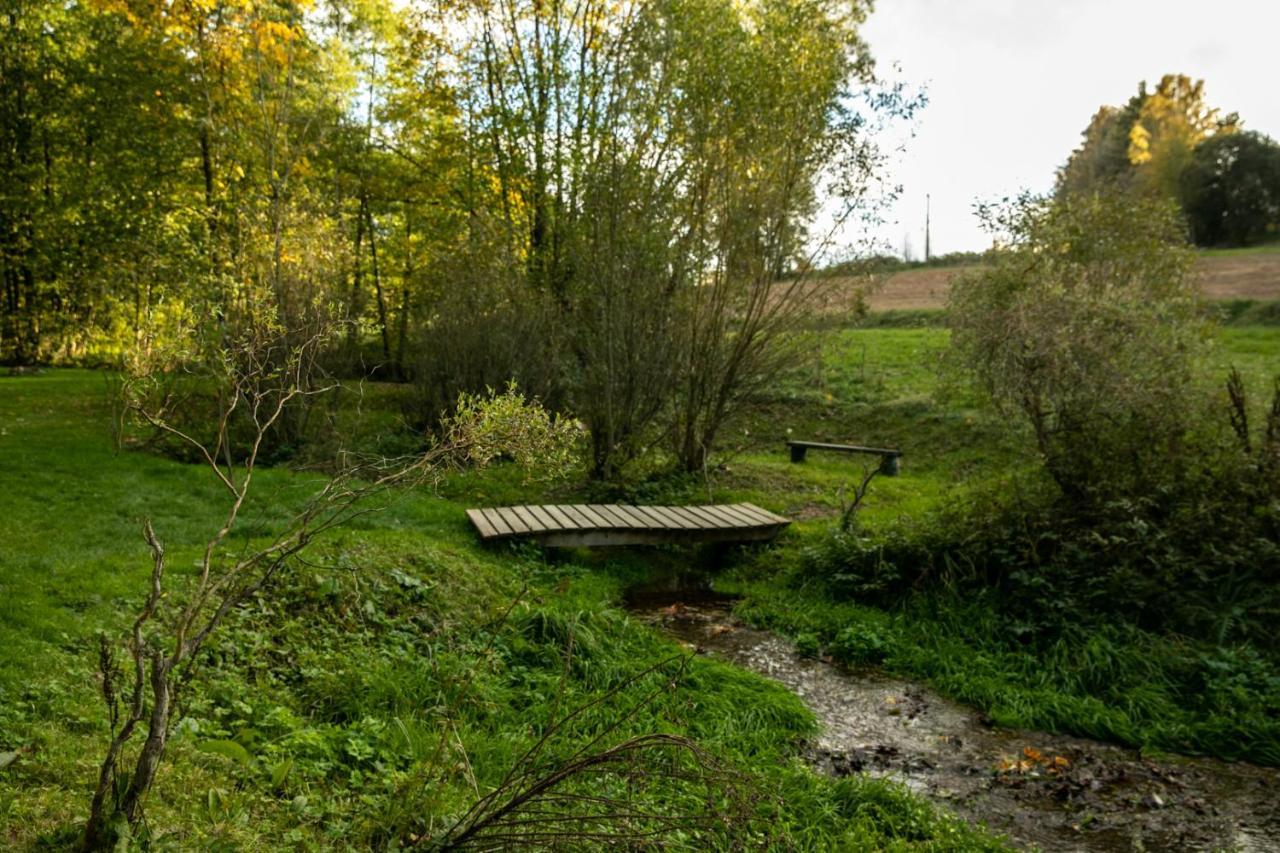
<point x="1049" y="791"/>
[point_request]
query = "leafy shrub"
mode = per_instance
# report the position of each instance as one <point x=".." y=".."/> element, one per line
<point x="1231" y="189"/>
<point x="1086" y="323"/>
<point x="1206" y="565"/>
<point x="481" y="337"/>
<point x="862" y="643"/>
<point x="1198" y="556"/>
<point x="808" y="645"/>
<point x="508" y="426"/>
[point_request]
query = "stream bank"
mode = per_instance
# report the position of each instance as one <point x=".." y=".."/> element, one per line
<point x="1054" y="792"/>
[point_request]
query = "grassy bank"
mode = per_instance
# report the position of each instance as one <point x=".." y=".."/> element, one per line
<point x="384" y="685"/>
<point x="1100" y="679"/>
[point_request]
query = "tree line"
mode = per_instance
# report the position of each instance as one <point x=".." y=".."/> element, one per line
<point x="1166" y="142"/>
<point x="597" y="199"/>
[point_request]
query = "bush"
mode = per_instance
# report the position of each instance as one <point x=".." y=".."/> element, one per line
<point x="1086" y="324"/>
<point x="862" y="644"/>
<point x="482" y="338"/>
<point x="1201" y="561"/>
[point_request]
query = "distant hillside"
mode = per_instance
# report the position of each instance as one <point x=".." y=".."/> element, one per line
<point x="1227" y="275"/>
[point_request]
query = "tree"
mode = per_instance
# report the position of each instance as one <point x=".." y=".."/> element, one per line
<point x="568" y="179"/>
<point x="1145" y="145"/>
<point x="648" y="204"/>
<point x="1231" y="189"/>
<point x="1103" y="158"/>
<point x="1086" y="324"/>
<point x="1172" y="120"/>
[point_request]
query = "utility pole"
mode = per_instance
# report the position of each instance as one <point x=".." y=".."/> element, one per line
<point x="926" y="228"/>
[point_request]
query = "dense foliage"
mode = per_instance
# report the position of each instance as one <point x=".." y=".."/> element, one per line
<point x="478" y="191"/>
<point x="1166" y="142"/>
<point x="1231" y="189"/>
<point x="1118" y="575"/>
<point x="1086" y="325"/>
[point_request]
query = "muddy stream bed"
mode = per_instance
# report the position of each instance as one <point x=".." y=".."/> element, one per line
<point x="1054" y="792"/>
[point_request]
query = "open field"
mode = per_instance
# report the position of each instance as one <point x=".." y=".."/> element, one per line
<point x="1252" y="274"/>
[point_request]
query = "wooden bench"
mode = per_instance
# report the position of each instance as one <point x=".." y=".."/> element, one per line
<point x="888" y="458"/>
<point x="588" y="525"/>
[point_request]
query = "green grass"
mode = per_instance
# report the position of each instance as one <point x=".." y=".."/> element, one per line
<point x="1250" y="312"/>
<point x="1114" y="683"/>
<point x="1243" y="251"/>
<point x="343" y="685"/>
<point x="879" y="387"/>
<point x="378" y="687"/>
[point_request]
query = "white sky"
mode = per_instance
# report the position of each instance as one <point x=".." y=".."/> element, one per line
<point x="1013" y="83"/>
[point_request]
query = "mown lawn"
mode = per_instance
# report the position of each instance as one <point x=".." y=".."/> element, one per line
<point x="380" y="687"/>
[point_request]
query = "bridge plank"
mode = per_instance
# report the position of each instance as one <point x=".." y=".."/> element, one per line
<point x="691" y="519"/>
<point x="572" y="513"/>
<point x="496" y="522"/>
<point x="643" y="518"/>
<point x="516" y="519"/>
<point x="607" y="519"/>
<point x="586" y="525"/>
<point x="609" y="513"/>
<point x="742" y="518"/>
<point x="562" y="518"/>
<point x="596" y="519"/>
<point x="719" y="513"/>
<point x="712" y="518"/>
<point x="482" y="524"/>
<point x="546" y="519"/>
<point x="755" y="516"/>
<point x="672" y="520"/>
<point x="768" y="517"/>
<point x="656" y="519"/>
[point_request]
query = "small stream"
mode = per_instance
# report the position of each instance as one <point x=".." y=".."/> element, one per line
<point x="1054" y="792"/>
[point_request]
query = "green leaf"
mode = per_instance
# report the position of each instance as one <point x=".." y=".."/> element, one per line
<point x="228" y="748"/>
<point x="280" y="772"/>
<point x="7" y="758"/>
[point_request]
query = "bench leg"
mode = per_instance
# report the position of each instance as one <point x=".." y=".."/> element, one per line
<point x="889" y="466"/>
<point x="797" y="453"/>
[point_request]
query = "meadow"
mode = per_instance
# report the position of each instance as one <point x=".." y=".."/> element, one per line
<point x="370" y="696"/>
<point x="401" y="669"/>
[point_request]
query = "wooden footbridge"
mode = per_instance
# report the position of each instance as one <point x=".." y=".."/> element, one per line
<point x="586" y="525"/>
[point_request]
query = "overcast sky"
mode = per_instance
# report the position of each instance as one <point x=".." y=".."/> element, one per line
<point x="1013" y="83"/>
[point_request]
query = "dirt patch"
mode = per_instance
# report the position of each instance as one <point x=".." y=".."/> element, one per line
<point x="1254" y="277"/>
<point x="1042" y="790"/>
<point x="1248" y="277"/>
<point x="913" y="289"/>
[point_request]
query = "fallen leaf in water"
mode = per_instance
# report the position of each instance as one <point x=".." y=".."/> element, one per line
<point x="1032" y="754"/>
<point x="717" y="630"/>
<point x="1010" y="765"/>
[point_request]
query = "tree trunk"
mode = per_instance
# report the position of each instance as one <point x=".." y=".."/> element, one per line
<point x="377" y="287"/>
<point x="144" y="773"/>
